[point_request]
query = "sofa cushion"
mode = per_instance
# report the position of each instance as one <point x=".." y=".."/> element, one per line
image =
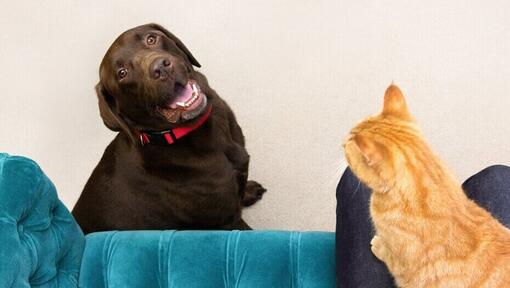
<point x="208" y="259"/>
<point x="40" y="243"/>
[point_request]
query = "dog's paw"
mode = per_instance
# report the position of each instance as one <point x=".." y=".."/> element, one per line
<point x="252" y="193"/>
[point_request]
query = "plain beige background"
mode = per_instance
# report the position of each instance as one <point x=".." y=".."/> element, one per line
<point x="298" y="74"/>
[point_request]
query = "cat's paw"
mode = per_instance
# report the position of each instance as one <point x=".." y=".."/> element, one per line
<point x="377" y="247"/>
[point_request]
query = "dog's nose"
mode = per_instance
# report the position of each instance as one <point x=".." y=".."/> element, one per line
<point x="161" y="68"/>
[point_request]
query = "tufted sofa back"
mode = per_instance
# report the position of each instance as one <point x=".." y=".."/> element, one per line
<point x="40" y="243"/>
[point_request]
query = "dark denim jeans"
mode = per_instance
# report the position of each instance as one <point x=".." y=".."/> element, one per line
<point x="356" y="266"/>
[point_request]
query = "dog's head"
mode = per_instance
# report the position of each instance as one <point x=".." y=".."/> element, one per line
<point x="146" y="82"/>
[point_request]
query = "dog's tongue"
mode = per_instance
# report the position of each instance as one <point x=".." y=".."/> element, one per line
<point x="183" y="94"/>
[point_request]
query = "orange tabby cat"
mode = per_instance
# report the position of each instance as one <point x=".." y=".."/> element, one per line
<point x="428" y="232"/>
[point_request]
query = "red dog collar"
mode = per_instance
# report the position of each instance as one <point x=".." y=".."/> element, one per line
<point x="169" y="137"/>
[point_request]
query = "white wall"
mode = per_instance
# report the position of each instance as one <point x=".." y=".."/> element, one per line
<point x="298" y="74"/>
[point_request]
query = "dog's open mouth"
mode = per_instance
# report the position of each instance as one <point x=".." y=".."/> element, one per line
<point x="189" y="102"/>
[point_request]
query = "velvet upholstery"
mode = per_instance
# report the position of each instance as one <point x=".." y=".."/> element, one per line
<point x="40" y="243"/>
<point x="42" y="246"/>
<point x="209" y="259"/>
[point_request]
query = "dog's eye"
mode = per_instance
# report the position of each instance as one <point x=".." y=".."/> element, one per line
<point x="151" y="39"/>
<point x="122" y="73"/>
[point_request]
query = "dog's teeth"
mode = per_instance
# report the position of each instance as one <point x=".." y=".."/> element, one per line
<point x="191" y="101"/>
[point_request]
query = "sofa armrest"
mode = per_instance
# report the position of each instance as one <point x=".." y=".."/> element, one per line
<point x="40" y="243"/>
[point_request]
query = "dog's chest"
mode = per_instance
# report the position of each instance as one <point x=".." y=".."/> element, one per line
<point x="189" y="186"/>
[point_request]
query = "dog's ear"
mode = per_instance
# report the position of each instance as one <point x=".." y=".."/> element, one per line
<point x="110" y="116"/>
<point x="178" y="42"/>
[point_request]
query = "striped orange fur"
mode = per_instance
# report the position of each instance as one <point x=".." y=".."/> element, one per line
<point x="428" y="232"/>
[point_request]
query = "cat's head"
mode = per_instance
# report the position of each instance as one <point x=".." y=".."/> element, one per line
<point x="377" y="148"/>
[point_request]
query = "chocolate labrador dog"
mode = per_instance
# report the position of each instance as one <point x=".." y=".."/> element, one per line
<point x="178" y="161"/>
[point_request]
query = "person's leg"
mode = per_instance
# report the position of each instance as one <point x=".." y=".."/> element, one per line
<point x="490" y="189"/>
<point x="356" y="265"/>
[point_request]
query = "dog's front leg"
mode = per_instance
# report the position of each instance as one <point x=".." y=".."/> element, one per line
<point x="240" y="160"/>
<point x="249" y="191"/>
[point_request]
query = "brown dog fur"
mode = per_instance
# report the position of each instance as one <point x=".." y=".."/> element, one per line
<point x="199" y="182"/>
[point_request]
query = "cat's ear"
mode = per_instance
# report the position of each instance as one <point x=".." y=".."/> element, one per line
<point x="372" y="152"/>
<point x="395" y="104"/>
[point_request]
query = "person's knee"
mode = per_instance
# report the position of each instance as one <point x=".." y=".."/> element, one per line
<point x="348" y="182"/>
<point x="494" y="171"/>
<point x="348" y="173"/>
<point x="351" y="193"/>
<point x="488" y="183"/>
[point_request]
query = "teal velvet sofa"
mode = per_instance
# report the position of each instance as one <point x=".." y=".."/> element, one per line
<point x="42" y="246"/>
